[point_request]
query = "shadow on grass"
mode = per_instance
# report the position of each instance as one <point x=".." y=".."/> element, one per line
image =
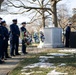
<point x="62" y="60"/>
<point x="28" y="60"/>
<point x="34" y="58"/>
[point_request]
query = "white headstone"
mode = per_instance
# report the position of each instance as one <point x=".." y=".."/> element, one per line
<point x="53" y="37"/>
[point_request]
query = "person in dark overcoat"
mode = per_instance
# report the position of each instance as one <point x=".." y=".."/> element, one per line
<point x="14" y="41"/>
<point x="1" y="42"/>
<point x="67" y="36"/>
<point x="5" y="41"/>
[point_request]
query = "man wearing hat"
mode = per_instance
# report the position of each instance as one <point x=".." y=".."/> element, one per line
<point x="5" y="41"/>
<point x="24" y="35"/>
<point x="68" y="31"/>
<point x="15" y="33"/>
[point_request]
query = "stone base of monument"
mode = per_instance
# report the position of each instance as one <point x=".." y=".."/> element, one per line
<point x="53" y="37"/>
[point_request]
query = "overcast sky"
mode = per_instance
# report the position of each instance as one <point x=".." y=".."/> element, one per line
<point x="70" y="4"/>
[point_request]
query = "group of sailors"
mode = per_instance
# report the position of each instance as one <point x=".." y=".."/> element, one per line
<point x="12" y="35"/>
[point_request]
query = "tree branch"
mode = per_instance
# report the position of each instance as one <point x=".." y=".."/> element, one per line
<point x="26" y="7"/>
<point x="39" y="11"/>
<point x="34" y="16"/>
<point x="49" y="12"/>
<point x="39" y="2"/>
<point x="33" y="21"/>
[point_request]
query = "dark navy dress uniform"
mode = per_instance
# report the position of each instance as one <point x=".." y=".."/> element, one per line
<point x="23" y="29"/>
<point x="5" y="42"/>
<point x="68" y="30"/>
<point x="1" y="41"/>
<point x="15" y="33"/>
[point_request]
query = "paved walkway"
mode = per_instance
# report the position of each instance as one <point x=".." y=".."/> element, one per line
<point x="10" y="64"/>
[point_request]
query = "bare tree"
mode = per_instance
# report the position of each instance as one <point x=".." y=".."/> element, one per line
<point x="74" y="10"/>
<point x="42" y="6"/>
<point x="63" y="16"/>
<point x="54" y="11"/>
<point x="73" y="20"/>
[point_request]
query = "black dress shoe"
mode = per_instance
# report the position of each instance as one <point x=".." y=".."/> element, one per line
<point x="5" y="58"/>
<point x="18" y="54"/>
<point x="26" y="52"/>
<point x="8" y="57"/>
<point x="1" y="62"/>
<point x="13" y="55"/>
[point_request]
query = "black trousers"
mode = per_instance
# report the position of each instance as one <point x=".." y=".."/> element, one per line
<point x="67" y="40"/>
<point x="5" y="48"/>
<point x="14" y="44"/>
<point x="23" y="47"/>
<point x="1" y="48"/>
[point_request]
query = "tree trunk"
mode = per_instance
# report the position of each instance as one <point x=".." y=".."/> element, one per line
<point x="43" y="15"/>
<point x="43" y="19"/>
<point x="54" y="14"/>
<point x="1" y="3"/>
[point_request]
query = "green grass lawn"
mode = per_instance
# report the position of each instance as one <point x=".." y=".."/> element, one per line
<point x="69" y="68"/>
